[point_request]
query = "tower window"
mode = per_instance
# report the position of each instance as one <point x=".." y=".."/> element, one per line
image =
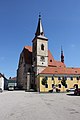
<point x="42" y="47"/>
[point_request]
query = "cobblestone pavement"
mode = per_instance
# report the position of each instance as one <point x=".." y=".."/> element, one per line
<point x="21" y="105"/>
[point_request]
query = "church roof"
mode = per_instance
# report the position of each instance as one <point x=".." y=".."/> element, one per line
<point x="51" y="62"/>
<point x="54" y="67"/>
<point x="27" y="52"/>
<point x="54" y="63"/>
<point x="39" y="30"/>
<point x="61" y="70"/>
<point x="29" y="48"/>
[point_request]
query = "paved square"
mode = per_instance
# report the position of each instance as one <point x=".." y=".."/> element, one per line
<point x="20" y="105"/>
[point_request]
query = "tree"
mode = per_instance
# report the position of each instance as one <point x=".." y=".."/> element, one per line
<point x="63" y="81"/>
<point x="44" y="81"/>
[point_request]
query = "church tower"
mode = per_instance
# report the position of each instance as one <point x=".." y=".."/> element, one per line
<point x="40" y="49"/>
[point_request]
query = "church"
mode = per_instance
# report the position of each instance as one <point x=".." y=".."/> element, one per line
<point x="39" y="71"/>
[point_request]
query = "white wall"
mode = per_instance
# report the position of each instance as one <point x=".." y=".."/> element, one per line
<point x="2" y="83"/>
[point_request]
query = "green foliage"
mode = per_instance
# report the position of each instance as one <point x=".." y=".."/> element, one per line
<point x="44" y="81"/>
<point x="63" y="81"/>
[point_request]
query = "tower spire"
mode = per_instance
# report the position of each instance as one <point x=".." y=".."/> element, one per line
<point x="62" y="55"/>
<point x="39" y="30"/>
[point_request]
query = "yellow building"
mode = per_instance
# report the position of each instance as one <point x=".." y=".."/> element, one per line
<point x="38" y="70"/>
<point x="50" y="79"/>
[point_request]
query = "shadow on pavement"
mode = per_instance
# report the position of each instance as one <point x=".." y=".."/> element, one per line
<point x="72" y="95"/>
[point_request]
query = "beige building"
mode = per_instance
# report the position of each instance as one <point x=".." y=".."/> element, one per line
<point x="38" y="70"/>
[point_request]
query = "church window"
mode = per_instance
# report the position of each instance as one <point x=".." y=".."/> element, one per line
<point x="42" y="47"/>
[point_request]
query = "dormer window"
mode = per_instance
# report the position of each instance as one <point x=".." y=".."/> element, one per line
<point x="42" y="47"/>
<point x="50" y="60"/>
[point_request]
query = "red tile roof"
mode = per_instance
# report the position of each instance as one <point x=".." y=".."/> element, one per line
<point x="51" y="61"/>
<point x="61" y="70"/>
<point x="54" y="67"/>
<point x="28" y="48"/>
<point x="54" y="63"/>
<point x="14" y="78"/>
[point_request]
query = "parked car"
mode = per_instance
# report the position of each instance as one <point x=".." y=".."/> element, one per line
<point x="11" y="88"/>
<point x="77" y="91"/>
<point x="70" y="90"/>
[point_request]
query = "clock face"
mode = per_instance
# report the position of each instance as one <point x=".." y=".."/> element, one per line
<point x="42" y="58"/>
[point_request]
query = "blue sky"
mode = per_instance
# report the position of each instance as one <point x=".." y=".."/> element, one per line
<point x="18" y="22"/>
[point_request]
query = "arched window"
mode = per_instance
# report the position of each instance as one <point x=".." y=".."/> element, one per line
<point x="42" y="47"/>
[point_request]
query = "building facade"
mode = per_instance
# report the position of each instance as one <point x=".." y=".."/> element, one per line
<point x="3" y="82"/>
<point x="38" y="70"/>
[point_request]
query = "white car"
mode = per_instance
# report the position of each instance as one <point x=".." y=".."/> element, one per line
<point x="11" y="88"/>
<point x="70" y="90"/>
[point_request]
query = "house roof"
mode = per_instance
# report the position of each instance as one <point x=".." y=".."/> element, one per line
<point x="61" y="70"/>
<point x="2" y="75"/>
<point x="14" y="78"/>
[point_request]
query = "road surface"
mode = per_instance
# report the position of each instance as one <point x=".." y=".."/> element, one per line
<point x="21" y="105"/>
